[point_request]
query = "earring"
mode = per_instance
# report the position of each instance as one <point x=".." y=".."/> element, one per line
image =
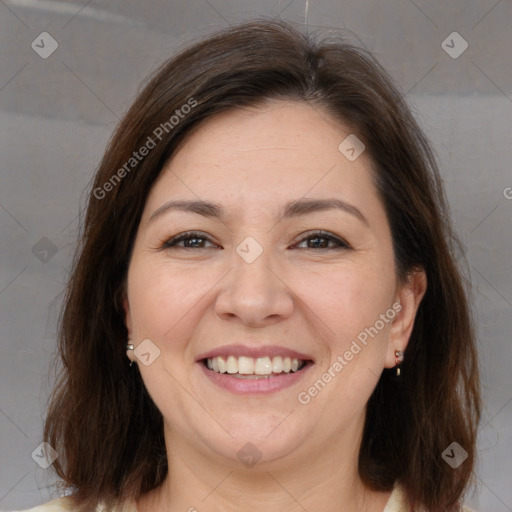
<point x="399" y="357"/>
<point x="130" y="346"/>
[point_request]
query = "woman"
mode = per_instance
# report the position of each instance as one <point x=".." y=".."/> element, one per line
<point x="267" y="239"/>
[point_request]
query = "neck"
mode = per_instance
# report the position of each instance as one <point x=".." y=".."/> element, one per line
<point x="324" y="480"/>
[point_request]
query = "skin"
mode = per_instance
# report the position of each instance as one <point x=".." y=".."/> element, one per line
<point x="190" y="300"/>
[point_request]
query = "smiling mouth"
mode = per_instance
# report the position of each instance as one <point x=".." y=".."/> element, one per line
<point x="254" y="367"/>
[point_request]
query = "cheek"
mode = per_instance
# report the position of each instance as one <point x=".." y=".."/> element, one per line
<point x="347" y="308"/>
<point x="165" y="302"/>
<point x="346" y="300"/>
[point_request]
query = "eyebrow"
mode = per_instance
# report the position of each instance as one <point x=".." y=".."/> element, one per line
<point x="294" y="208"/>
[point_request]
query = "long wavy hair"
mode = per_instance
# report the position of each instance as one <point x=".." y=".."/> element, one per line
<point x="101" y="420"/>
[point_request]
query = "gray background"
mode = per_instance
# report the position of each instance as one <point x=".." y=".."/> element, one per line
<point x="58" y="113"/>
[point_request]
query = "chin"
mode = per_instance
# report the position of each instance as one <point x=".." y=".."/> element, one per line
<point x="257" y="440"/>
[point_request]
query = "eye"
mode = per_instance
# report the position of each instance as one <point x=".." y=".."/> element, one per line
<point x="197" y="240"/>
<point x="190" y="239"/>
<point x="322" y="239"/>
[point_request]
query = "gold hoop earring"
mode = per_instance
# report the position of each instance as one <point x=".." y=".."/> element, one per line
<point x="399" y="357"/>
<point x="130" y="346"/>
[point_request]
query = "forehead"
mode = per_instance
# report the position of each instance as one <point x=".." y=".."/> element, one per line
<point x="274" y="152"/>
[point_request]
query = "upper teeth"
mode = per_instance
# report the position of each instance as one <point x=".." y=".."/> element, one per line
<point x="254" y="366"/>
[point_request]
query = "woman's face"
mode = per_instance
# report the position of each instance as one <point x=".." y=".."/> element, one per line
<point x="257" y="292"/>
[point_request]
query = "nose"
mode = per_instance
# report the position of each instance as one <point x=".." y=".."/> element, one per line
<point x="254" y="293"/>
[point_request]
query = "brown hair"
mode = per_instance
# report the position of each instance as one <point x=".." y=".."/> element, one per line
<point x="101" y="420"/>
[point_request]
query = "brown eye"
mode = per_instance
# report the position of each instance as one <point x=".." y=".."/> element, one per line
<point x="322" y="239"/>
<point x="191" y="240"/>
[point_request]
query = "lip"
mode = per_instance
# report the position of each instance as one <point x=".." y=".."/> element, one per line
<point x="254" y="386"/>
<point x="260" y="351"/>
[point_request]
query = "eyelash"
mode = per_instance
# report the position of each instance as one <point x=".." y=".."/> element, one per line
<point x="340" y="244"/>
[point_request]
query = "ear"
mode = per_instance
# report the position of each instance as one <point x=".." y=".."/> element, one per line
<point x="409" y="296"/>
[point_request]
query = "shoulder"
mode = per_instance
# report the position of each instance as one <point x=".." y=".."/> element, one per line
<point x="398" y="502"/>
<point x="65" y="505"/>
<point x="57" y="505"/>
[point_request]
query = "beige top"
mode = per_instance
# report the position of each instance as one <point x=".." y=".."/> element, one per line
<point x="396" y="503"/>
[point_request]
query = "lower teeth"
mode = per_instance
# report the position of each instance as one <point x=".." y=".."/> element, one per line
<point x="243" y="376"/>
<point x="253" y="376"/>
